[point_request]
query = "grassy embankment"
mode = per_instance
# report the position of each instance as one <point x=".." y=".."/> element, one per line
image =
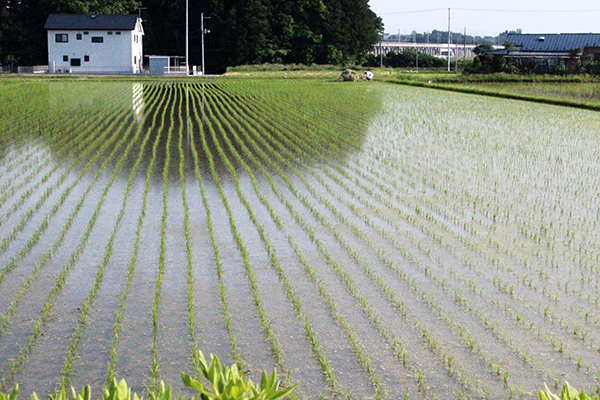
<point x="578" y="91"/>
<point x="571" y="91"/>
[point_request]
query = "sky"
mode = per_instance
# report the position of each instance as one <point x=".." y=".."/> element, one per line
<point x="488" y="18"/>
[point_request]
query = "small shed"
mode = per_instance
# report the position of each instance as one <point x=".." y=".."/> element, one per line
<point x="165" y="65"/>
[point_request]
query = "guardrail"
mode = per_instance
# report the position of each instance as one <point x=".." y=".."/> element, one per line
<point x="175" y="70"/>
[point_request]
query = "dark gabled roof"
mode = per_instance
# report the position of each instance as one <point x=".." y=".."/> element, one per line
<point x="554" y="41"/>
<point x="91" y="22"/>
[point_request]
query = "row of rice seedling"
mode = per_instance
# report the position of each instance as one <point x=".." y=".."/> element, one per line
<point x="38" y="232"/>
<point x="84" y="148"/>
<point x="54" y="135"/>
<point x="292" y="295"/>
<point x="466" y="337"/>
<point x="13" y="121"/>
<point x="193" y="336"/>
<point x="216" y="124"/>
<point x="85" y="307"/>
<point x="110" y="374"/>
<point x="224" y="302"/>
<point x="366" y="219"/>
<point x="350" y="250"/>
<point x="16" y="363"/>
<point x="212" y="127"/>
<point x="358" y="349"/>
<point x="387" y="235"/>
<point x="154" y="381"/>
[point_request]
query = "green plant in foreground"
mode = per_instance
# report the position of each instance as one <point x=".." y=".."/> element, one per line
<point x="86" y="394"/>
<point x="567" y="393"/>
<point x="227" y="383"/>
<point x="12" y="396"/>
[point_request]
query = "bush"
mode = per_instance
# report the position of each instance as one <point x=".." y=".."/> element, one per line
<point x="568" y="393"/>
<point x="226" y="383"/>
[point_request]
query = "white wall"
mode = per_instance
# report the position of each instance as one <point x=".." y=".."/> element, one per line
<point x="118" y="53"/>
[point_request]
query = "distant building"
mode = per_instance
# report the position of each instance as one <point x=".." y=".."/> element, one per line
<point x="543" y="51"/>
<point x="104" y="44"/>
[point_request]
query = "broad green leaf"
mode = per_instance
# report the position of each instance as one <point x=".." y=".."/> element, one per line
<point x="281" y="394"/>
<point x="192" y="383"/>
<point x="15" y="392"/>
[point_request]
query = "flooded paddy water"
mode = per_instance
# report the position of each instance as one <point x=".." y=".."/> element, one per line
<point x="367" y="240"/>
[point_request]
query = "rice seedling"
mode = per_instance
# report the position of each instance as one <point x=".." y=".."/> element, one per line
<point x="110" y="374"/>
<point x="372" y="313"/>
<point x="85" y="307"/>
<point x="463" y="249"/>
<point x="16" y="363"/>
<point x="211" y="233"/>
<point x="155" y="368"/>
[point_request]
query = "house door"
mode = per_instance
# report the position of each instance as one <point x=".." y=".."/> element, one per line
<point x="75" y="62"/>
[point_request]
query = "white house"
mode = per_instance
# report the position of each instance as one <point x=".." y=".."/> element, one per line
<point x="107" y="44"/>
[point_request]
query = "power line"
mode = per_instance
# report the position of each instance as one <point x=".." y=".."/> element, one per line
<point x="415" y="11"/>
<point x="525" y="11"/>
<point x="490" y="10"/>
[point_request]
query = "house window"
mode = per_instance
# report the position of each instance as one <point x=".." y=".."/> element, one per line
<point x="135" y="38"/>
<point x="66" y="58"/>
<point x="79" y="36"/>
<point x="86" y="33"/>
<point x="75" y="62"/>
<point x="109" y="32"/>
<point x="62" y="38"/>
<point x="97" y="39"/>
<point x="117" y="33"/>
<point x="134" y="59"/>
<point x="86" y="58"/>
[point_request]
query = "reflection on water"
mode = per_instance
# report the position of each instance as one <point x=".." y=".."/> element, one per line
<point x="271" y="123"/>
<point x="138" y="100"/>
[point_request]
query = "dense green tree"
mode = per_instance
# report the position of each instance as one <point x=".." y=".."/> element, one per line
<point x="483" y="48"/>
<point x="23" y="40"/>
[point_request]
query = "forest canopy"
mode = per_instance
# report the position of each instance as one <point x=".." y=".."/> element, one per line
<point x="241" y="31"/>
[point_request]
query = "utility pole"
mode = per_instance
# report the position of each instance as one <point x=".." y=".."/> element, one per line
<point x="465" y="44"/>
<point x="449" y="33"/>
<point x="417" y="57"/>
<point x="202" y="17"/>
<point x="381" y="50"/>
<point x="187" y="38"/>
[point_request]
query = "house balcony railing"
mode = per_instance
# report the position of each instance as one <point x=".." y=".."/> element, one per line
<point x="35" y="69"/>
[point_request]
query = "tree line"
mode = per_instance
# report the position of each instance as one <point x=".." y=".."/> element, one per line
<point x="241" y="31"/>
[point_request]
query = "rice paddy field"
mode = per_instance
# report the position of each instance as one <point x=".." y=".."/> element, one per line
<point x="588" y="92"/>
<point x="368" y="240"/>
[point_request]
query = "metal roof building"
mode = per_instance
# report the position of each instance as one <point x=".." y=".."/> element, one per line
<point x="554" y="42"/>
<point x="75" y="22"/>
<point x="543" y="52"/>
